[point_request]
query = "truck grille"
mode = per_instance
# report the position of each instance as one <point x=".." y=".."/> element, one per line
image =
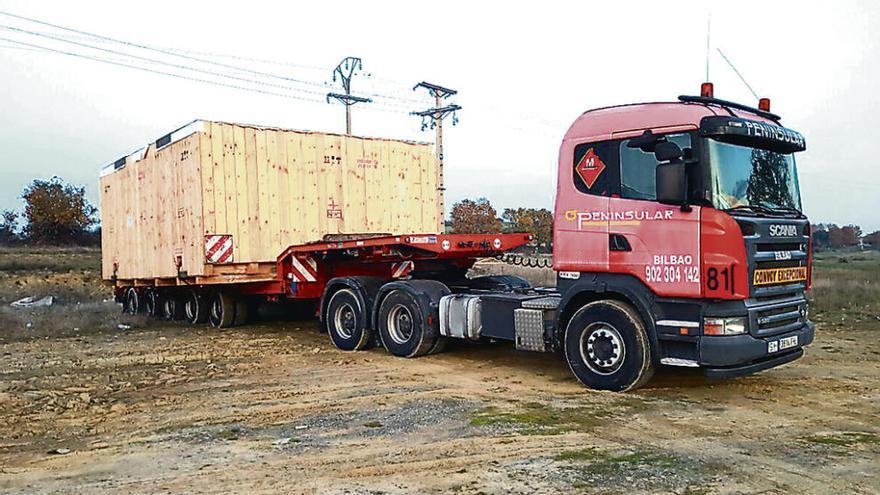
<point x="775" y="308"/>
<point x="779" y="317"/>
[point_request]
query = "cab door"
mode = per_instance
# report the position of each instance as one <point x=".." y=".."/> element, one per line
<point x="657" y="243"/>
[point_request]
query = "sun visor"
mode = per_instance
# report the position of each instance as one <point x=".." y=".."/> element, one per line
<point x="754" y="134"/>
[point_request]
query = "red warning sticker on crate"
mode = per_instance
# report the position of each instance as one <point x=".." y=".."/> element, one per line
<point x="305" y="269"/>
<point x="218" y="248"/>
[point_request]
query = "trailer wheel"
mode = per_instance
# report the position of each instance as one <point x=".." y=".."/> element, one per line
<point x="132" y="304"/>
<point x="195" y="308"/>
<point x="607" y="348"/>
<point x="172" y="308"/>
<point x="347" y="321"/>
<point x="221" y="312"/>
<point x="402" y="326"/>
<point x="152" y="303"/>
<point x="242" y="312"/>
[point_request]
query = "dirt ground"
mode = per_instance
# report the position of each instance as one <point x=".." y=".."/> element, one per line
<point x="275" y="408"/>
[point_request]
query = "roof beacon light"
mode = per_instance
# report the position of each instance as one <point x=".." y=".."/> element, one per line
<point x="707" y="90"/>
<point x="764" y="104"/>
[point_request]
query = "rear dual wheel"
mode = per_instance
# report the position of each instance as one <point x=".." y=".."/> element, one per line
<point x="226" y="310"/>
<point x="347" y="321"/>
<point x="408" y="325"/>
<point x="195" y="308"/>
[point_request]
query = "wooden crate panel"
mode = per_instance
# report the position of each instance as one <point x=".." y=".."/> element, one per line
<point x="266" y="188"/>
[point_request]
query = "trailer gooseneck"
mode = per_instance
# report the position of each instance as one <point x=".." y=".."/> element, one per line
<point x="678" y="241"/>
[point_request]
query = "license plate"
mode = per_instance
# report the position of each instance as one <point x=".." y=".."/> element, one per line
<point x="771" y="276"/>
<point x="782" y="344"/>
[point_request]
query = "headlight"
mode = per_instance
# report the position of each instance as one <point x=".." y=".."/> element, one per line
<point x="724" y="326"/>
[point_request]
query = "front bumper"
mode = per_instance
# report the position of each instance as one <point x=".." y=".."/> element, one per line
<point x="737" y="355"/>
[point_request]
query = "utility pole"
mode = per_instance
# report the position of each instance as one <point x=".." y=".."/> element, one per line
<point x="436" y="116"/>
<point x="345" y="70"/>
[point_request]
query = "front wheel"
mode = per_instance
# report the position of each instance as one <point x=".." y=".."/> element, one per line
<point x="607" y="348"/>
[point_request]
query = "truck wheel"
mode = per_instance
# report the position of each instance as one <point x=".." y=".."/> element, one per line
<point x="607" y="348"/>
<point x="172" y="308"/>
<point x="132" y="304"/>
<point x="195" y="308"/>
<point x="152" y="302"/>
<point x="402" y="327"/>
<point x="347" y="321"/>
<point x="221" y="312"/>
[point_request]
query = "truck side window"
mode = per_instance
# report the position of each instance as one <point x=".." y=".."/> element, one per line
<point x="637" y="168"/>
<point x="597" y="168"/>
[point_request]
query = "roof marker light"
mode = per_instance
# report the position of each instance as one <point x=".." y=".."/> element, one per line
<point x="707" y="90"/>
<point x="764" y="104"/>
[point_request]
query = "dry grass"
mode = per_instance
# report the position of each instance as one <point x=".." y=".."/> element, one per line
<point x="846" y="287"/>
<point x="83" y="304"/>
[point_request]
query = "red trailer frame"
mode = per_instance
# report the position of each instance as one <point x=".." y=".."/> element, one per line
<point x="304" y="270"/>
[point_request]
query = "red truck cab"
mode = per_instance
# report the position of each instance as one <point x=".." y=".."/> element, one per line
<point x="687" y="213"/>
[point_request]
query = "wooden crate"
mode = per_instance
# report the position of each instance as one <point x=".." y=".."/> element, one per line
<point x="266" y="188"/>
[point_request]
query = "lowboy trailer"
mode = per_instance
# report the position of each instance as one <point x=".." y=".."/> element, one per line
<point x="678" y="241"/>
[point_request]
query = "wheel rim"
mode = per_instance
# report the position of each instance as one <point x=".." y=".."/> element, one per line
<point x="345" y="320"/>
<point x="216" y="312"/>
<point x="132" y="303"/>
<point x="602" y="348"/>
<point x="190" y="309"/>
<point x="150" y="303"/>
<point x="168" y="308"/>
<point x="400" y="324"/>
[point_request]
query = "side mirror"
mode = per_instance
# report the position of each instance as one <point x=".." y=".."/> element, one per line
<point x="671" y="184"/>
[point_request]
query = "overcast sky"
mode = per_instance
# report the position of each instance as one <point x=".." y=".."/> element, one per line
<point x="523" y="73"/>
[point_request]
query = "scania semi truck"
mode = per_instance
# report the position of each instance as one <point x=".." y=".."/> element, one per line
<point x="678" y="240"/>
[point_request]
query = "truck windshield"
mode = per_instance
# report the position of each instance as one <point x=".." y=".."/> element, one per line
<point x="752" y="177"/>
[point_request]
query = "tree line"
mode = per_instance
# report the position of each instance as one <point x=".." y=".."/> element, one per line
<point x="55" y="213"/>
<point x="480" y="217"/>
<point x="58" y="213"/>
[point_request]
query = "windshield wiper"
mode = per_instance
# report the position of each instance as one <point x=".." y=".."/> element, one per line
<point x="753" y="209"/>
<point x="789" y="209"/>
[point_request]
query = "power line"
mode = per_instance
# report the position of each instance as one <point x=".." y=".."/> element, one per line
<point x="177" y="52"/>
<point x="156" y="49"/>
<point x="154" y="71"/>
<point x="147" y="59"/>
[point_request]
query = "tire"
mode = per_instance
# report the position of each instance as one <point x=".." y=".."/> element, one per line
<point x="195" y="308"/>
<point x="607" y="348"/>
<point x="152" y="303"/>
<point x="132" y="302"/>
<point x="172" y="308"/>
<point x="347" y="321"/>
<point x="435" y="291"/>
<point x="242" y="312"/>
<point x="499" y="282"/>
<point x="222" y="310"/>
<point x="402" y="327"/>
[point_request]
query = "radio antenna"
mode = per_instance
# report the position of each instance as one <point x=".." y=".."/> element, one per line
<point x="708" y="34"/>
<point x="741" y="78"/>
